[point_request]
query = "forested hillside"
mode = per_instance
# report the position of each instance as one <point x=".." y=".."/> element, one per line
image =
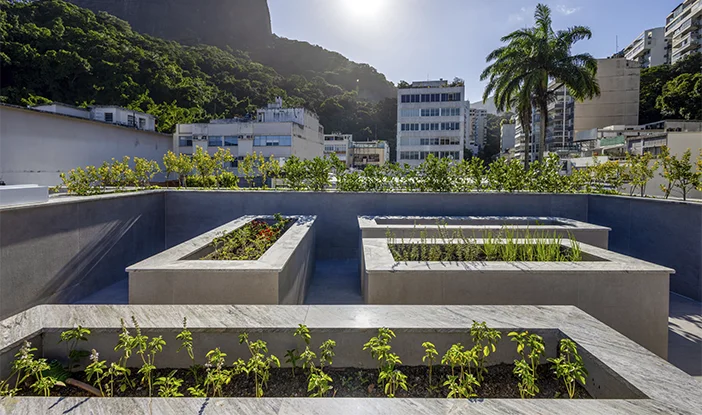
<point x="56" y="51"/>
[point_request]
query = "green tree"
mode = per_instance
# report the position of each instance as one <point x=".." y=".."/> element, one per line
<point x="653" y="80"/>
<point x="532" y="58"/>
<point x="204" y="164"/>
<point x="682" y="97"/>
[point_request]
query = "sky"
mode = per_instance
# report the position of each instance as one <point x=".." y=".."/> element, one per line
<point x="415" y="40"/>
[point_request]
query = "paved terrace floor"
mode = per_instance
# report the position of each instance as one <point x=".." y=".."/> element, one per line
<point x="337" y="282"/>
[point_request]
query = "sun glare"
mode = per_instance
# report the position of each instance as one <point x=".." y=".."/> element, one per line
<point x="363" y="8"/>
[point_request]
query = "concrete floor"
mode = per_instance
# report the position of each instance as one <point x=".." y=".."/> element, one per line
<point x="337" y="282"/>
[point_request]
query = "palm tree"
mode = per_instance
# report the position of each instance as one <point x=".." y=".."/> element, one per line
<point x="535" y="63"/>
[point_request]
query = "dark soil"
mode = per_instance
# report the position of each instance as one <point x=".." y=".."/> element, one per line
<point x="249" y="242"/>
<point x="499" y="382"/>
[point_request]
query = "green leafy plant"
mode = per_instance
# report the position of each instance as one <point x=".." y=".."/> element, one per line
<point x="485" y="339"/>
<point x="147" y="350"/>
<point x="27" y="368"/>
<point x="531" y="348"/>
<point x="248" y="242"/>
<point x="295" y="173"/>
<point x="389" y="376"/>
<point x="569" y="366"/>
<point x="186" y="343"/>
<point x="127" y="343"/>
<point x="216" y="375"/>
<point x="169" y="386"/>
<point x="292" y="357"/>
<point x="461" y="386"/>
<point x="97" y="369"/>
<point x="430" y="355"/>
<point x="144" y="171"/>
<point x="259" y="364"/>
<point x="71" y="337"/>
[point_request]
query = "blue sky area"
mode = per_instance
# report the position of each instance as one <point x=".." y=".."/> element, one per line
<point x="419" y="39"/>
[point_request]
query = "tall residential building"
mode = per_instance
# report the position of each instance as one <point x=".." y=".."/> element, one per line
<point x="478" y="126"/>
<point x="649" y="49"/>
<point x="338" y="144"/>
<point x="507" y="136"/>
<point x="683" y="29"/>
<point x="431" y="120"/>
<point x="276" y="131"/>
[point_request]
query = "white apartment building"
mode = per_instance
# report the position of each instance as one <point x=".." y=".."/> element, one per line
<point x="338" y="144"/>
<point x="683" y="29"/>
<point x="276" y="131"/>
<point x="430" y="120"/>
<point x="649" y="49"/>
<point x="478" y="126"/>
<point x="111" y="114"/>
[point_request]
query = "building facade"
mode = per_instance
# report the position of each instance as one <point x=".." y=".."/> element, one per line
<point x="430" y="120"/>
<point x="110" y="114"/>
<point x="36" y="146"/>
<point x="507" y="136"/>
<point x="365" y="153"/>
<point x="338" y="144"/>
<point x="649" y="49"/>
<point x="278" y="132"/>
<point x="683" y="29"/>
<point x="478" y="126"/>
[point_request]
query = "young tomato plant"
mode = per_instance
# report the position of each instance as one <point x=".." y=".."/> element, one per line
<point x="569" y="366"/>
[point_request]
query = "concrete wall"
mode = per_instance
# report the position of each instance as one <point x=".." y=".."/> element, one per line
<point x="65" y="250"/>
<point x="664" y="232"/>
<point x="36" y="146"/>
<point x="337" y="224"/>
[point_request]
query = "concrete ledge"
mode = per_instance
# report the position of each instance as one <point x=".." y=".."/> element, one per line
<point x="280" y="276"/>
<point x="629" y="295"/>
<point x="477" y="226"/>
<point x="624" y="377"/>
<point x="23" y="194"/>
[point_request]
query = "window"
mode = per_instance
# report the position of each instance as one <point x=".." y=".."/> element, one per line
<point x="109" y="117"/>
<point x="409" y="98"/>
<point x="214" y="141"/>
<point x="409" y="112"/>
<point x="450" y="112"/>
<point x="272" y="140"/>
<point x="430" y="112"/>
<point x="409" y="127"/>
<point x="450" y="126"/>
<point x="185" y="141"/>
<point x="130" y="120"/>
<point x="231" y="141"/>
<point x="142" y="123"/>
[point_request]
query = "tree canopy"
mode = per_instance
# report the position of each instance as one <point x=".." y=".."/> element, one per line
<point x="671" y="91"/>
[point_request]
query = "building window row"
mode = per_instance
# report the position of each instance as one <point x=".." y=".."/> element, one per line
<point x="412" y="98"/>
<point x="335" y="149"/>
<point x="185" y="141"/>
<point x="422" y="155"/>
<point x="429" y="112"/>
<point x="440" y="141"/>
<point x="444" y="126"/>
<point x="272" y="141"/>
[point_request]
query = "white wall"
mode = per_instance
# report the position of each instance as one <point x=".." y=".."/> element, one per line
<point x="36" y="146"/>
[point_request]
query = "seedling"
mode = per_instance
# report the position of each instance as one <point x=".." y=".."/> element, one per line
<point x="485" y="339"/>
<point x="259" y="364"/>
<point x="72" y="337"/>
<point x="388" y="375"/>
<point x="569" y="366"/>
<point x="430" y="355"/>
<point x="531" y="347"/>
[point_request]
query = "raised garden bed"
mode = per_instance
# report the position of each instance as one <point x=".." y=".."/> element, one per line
<point x="622" y="376"/>
<point x="251" y="260"/>
<point x="477" y="226"/>
<point x="628" y="294"/>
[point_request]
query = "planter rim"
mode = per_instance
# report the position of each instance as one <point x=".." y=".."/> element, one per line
<point x="367" y="222"/>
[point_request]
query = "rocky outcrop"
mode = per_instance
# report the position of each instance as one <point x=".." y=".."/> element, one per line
<point x="239" y="24"/>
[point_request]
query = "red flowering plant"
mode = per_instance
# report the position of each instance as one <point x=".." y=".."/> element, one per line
<point x="248" y="242"/>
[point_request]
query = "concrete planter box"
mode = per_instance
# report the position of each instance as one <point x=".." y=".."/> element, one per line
<point x="623" y="377"/>
<point x="177" y="276"/>
<point x="22" y="194"/>
<point x="476" y="226"/>
<point x="628" y="294"/>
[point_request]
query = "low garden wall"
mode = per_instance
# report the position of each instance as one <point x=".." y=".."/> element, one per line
<point x="623" y="377"/>
<point x="177" y="276"/>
